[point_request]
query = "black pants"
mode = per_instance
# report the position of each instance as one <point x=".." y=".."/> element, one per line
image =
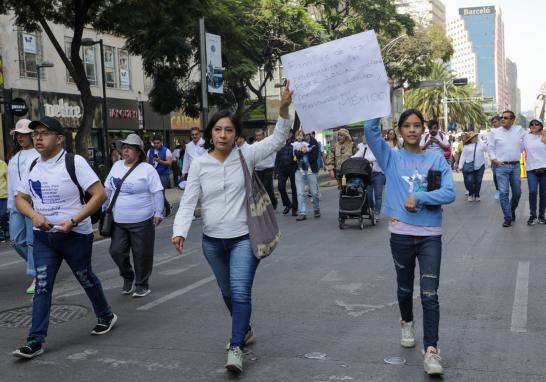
<point x="266" y="176"/>
<point x="138" y="238"/>
<point x="284" y="175"/>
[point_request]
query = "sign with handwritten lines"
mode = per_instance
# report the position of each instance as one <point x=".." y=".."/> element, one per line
<point x="339" y="82"/>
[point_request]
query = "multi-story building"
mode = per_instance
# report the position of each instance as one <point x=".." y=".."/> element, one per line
<point x="425" y="12"/>
<point x="478" y="43"/>
<point x="127" y="86"/>
<point x="512" y="84"/>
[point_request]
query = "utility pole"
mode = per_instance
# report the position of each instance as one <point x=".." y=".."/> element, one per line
<point x="204" y="86"/>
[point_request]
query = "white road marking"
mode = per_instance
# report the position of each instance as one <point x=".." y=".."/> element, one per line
<point x="176" y="293"/>
<point x="12" y="263"/>
<point x="521" y="296"/>
<point x="332" y="276"/>
<point x="177" y="271"/>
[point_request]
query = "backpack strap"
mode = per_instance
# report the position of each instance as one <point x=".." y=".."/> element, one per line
<point x="71" y="168"/>
<point x="33" y="164"/>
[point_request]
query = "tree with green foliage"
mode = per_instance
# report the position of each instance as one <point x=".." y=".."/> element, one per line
<point x="466" y="108"/>
<point x="33" y="15"/>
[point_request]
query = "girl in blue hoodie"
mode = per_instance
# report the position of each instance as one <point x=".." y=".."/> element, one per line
<point x="419" y="182"/>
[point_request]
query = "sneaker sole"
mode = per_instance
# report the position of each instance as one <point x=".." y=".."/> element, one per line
<point x="407" y="344"/>
<point x="127" y="292"/>
<point x="136" y="295"/>
<point x="18" y="354"/>
<point x="434" y="371"/>
<point x="234" y="368"/>
<point x="114" y="320"/>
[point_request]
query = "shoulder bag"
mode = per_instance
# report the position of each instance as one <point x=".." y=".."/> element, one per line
<point x="107" y="218"/>
<point x="262" y="224"/>
<point x="469" y="166"/>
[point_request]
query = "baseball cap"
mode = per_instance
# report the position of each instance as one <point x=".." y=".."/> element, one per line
<point x="48" y="122"/>
<point x="21" y="127"/>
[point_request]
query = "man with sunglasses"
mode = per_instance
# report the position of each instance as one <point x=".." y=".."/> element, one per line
<point x="505" y="147"/>
<point x="48" y="194"/>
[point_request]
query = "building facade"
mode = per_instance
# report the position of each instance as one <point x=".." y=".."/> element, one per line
<point x="127" y="87"/>
<point x="478" y="43"/>
<point x="512" y="85"/>
<point x="425" y="12"/>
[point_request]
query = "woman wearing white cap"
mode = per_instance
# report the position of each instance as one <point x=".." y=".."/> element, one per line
<point x="535" y="164"/>
<point x="472" y="162"/>
<point x="134" y="228"/>
<point x="20" y="227"/>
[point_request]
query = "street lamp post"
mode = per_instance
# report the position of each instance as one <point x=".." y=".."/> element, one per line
<point x="106" y="155"/>
<point x="44" y="64"/>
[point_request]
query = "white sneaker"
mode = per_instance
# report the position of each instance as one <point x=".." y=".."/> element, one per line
<point x="432" y="363"/>
<point x="235" y="360"/>
<point x="249" y="338"/>
<point x="408" y="335"/>
<point x="467" y="192"/>
<point x="470" y="199"/>
<point x="477" y="199"/>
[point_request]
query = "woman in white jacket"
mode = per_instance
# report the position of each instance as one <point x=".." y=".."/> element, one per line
<point x="472" y="163"/>
<point x="216" y="179"/>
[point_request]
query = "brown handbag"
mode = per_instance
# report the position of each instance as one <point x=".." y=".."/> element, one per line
<point x="262" y="224"/>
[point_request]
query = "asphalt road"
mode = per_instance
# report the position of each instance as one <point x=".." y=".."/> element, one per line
<point x="323" y="291"/>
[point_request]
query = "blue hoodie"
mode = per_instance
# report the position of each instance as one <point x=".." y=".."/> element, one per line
<point x="407" y="173"/>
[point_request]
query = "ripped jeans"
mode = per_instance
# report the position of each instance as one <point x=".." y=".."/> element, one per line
<point x="50" y="249"/>
<point x="428" y="251"/>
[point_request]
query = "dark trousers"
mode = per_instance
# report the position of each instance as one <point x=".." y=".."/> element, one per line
<point x="139" y="239"/>
<point x="50" y="249"/>
<point x="285" y="174"/>
<point x="428" y="251"/>
<point x="473" y="181"/>
<point x="537" y="187"/>
<point x="266" y="176"/>
<point x="176" y="173"/>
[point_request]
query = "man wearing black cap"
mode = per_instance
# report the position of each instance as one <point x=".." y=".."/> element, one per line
<point x="50" y="195"/>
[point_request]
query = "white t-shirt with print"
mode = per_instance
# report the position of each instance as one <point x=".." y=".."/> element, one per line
<point x="135" y="201"/>
<point x="54" y="195"/>
<point x="17" y="167"/>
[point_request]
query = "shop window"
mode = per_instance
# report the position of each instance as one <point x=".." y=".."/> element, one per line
<point x="124" y="74"/>
<point x="110" y="66"/>
<point x="89" y="57"/>
<point x="30" y="53"/>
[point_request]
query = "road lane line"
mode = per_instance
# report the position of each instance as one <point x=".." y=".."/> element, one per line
<point x="176" y="293"/>
<point x="521" y="296"/>
<point x="12" y="263"/>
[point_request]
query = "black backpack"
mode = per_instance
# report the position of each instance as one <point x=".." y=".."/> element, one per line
<point x="84" y="196"/>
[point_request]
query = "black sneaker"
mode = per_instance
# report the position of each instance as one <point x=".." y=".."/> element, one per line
<point x="286" y="210"/>
<point x="141" y="291"/>
<point x="507" y="223"/>
<point x="541" y="220"/>
<point x="32" y="349"/>
<point x="128" y="287"/>
<point x="532" y="221"/>
<point x="513" y="215"/>
<point x="317" y="213"/>
<point x="104" y="325"/>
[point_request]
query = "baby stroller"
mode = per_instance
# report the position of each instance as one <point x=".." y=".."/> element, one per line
<point x="353" y="196"/>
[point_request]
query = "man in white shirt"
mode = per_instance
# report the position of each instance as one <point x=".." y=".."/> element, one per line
<point x="265" y="170"/>
<point x="52" y="197"/>
<point x="435" y="140"/>
<point x="194" y="149"/>
<point x="505" y="147"/>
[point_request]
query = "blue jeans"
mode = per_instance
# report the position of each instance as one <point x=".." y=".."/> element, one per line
<point x="375" y="191"/>
<point x="311" y="180"/>
<point x="50" y="249"/>
<point x="3" y="220"/>
<point x="234" y="266"/>
<point x="428" y="251"/>
<point x="508" y="176"/>
<point x="494" y="170"/>
<point x="537" y="186"/>
<point x="473" y="181"/>
<point x="22" y="238"/>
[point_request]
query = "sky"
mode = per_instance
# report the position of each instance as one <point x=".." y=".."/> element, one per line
<point x="523" y="37"/>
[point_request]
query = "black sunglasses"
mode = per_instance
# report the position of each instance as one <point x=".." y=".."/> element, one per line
<point x="535" y="124"/>
<point x="503" y="117"/>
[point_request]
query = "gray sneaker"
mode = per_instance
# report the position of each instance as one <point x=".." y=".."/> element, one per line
<point x="128" y="287"/>
<point x="141" y="291"/>
<point x="235" y="360"/>
<point x="432" y="363"/>
<point x="408" y="334"/>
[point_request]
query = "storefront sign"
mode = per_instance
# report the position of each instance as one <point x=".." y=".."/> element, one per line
<point x="62" y="109"/>
<point x="183" y="122"/>
<point x="215" y="78"/>
<point x="123" y="113"/>
<point x="19" y="107"/>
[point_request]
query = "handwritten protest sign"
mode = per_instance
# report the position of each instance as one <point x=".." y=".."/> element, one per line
<point x="339" y="82"/>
